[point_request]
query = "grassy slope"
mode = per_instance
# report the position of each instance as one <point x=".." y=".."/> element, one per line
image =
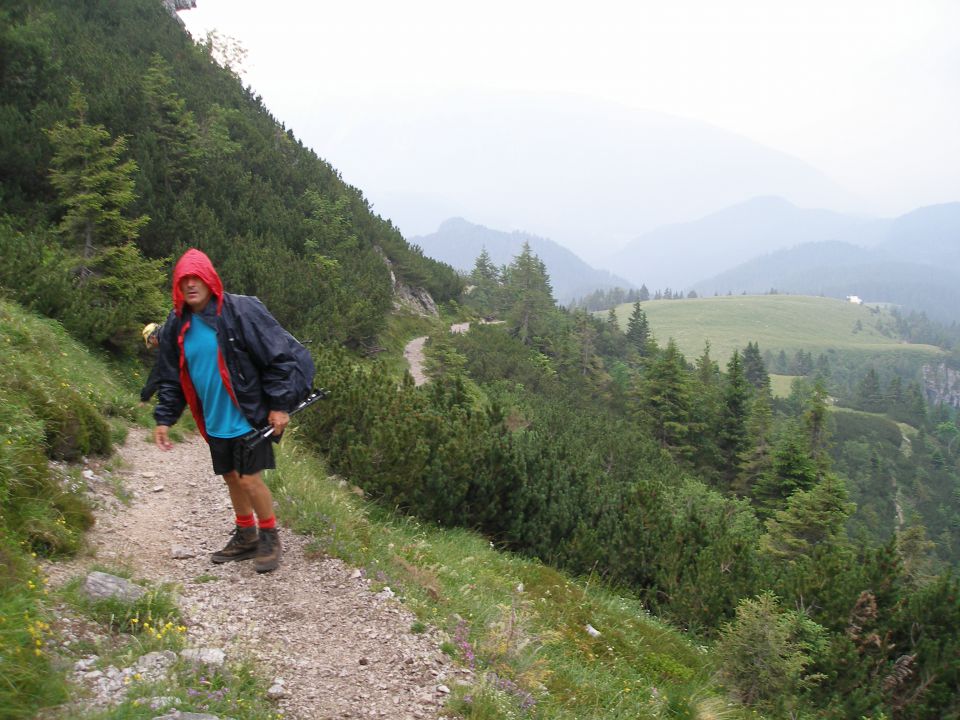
<point x="787" y="322"/>
<point x="521" y="625"/>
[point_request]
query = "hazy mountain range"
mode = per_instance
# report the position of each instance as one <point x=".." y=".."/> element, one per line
<point x="458" y="243"/>
<point x="913" y="261"/>
<point x="586" y="174"/>
<point x="765" y="243"/>
<point x="676" y="256"/>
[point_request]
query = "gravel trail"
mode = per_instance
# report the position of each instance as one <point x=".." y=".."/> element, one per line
<point x="340" y="650"/>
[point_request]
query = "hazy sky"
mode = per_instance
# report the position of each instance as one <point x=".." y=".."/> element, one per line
<point x="867" y="91"/>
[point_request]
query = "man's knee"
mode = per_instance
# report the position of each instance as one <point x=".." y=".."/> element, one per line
<point x="250" y="482"/>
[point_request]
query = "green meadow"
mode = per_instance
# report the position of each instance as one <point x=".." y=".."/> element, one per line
<point x="776" y="322"/>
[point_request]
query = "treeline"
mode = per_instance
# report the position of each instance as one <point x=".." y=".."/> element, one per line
<point x="560" y="435"/>
<point x="122" y="144"/>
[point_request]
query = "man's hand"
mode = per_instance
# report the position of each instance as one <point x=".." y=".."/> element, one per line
<point x="279" y="420"/>
<point x="160" y="437"/>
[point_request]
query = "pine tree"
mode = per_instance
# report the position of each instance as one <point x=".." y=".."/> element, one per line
<point x="528" y="290"/>
<point x="94" y="185"/>
<point x="117" y="289"/>
<point x="811" y="517"/>
<point x="665" y="400"/>
<point x="174" y="127"/>
<point x="733" y="438"/>
<point x="754" y="368"/>
<point x="758" y="460"/>
<point x="792" y="469"/>
<point x="638" y="331"/>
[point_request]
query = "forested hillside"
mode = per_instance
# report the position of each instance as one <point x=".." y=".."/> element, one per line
<point x="585" y="442"/>
<point x="122" y="144"/>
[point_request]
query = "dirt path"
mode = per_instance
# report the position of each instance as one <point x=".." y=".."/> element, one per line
<point x="341" y="651"/>
<point x="413" y="354"/>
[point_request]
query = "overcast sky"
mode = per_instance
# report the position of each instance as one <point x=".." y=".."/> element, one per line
<point x="866" y="91"/>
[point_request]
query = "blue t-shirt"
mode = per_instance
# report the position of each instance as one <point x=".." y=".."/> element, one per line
<point x="223" y="419"/>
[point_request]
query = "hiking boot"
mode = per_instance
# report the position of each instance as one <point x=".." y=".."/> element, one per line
<point x="268" y="551"/>
<point x="241" y="546"/>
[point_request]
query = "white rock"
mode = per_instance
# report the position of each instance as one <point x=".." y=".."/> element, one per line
<point x="443" y="689"/>
<point x="158" y="488"/>
<point x="148" y="474"/>
<point x="385" y="594"/>
<point x="592" y="631"/>
<point x="179" y="552"/>
<point x="100" y="585"/>
<point x="212" y="657"/>
<point x="276" y="692"/>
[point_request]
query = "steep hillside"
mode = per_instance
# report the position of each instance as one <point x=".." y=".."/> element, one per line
<point x="213" y="168"/>
<point x="458" y="243"/>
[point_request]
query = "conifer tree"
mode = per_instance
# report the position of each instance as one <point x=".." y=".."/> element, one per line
<point x="638" y="330"/>
<point x="644" y="294"/>
<point x="665" y="398"/>
<point x="94" y="185"/>
<point x="811" y="517"/>
<point x="117" y="289"/>
<point x="758" y="459"/>
<point x="174" y="127"/>
<point x="485" y="278"/>
<point x="733" y="438"/>
<point x="754" y="369"/>
<point x="528" y="290"/>
<point x="612" y="322"/>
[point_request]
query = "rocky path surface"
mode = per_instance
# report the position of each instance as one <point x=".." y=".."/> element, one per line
<point x="413" y="354"/>
<point x="340" y="650"/>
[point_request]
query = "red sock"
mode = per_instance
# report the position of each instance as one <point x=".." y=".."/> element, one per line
<point x="245" y="521"/>
<point x="269" y="524"/>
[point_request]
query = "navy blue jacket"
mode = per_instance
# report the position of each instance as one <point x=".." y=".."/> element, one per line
<point x="262" y="366"/>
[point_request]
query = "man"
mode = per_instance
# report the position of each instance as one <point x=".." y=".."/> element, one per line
<point x="226" y="357"/>
<point x="151" y="338"/>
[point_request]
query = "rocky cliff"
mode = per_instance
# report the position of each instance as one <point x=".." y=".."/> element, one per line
<point x="941" y="385"/>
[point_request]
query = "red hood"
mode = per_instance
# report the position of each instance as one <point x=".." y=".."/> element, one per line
<point x="195" y="262"/>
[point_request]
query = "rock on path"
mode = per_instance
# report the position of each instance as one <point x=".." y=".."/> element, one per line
<point x="340" y="651"/>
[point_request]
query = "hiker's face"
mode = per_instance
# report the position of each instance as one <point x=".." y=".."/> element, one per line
<point x="195" y="292"/>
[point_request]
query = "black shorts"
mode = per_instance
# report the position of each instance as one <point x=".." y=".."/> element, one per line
<point x="229" y="454"/>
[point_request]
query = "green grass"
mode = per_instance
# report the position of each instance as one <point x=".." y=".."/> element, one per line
<point x="520" y="624"/>
<point x="776" y="322"/>
<point x="782" y="385"/>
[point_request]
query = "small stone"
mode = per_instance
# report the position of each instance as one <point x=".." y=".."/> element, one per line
<point x="179" y="552"/>
<point x="364" y="661"/>
<point x="158" y="488"/>
<point x="356" y="574"/>
<point x="276" y="692"/>
<point x="148" y="474"/>
<point x="443" y="689"/>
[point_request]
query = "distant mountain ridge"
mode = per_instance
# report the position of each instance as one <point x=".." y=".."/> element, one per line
<point x="676" y="256"/>
<point x="914" y="263"/>
<point x="588" y="174"/>
<point x="458" y="242"/>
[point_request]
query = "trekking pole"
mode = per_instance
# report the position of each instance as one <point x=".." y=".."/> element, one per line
<point x="255" y="437"/>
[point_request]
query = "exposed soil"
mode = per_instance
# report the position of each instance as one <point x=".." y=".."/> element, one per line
<point x="340" y="650"/>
